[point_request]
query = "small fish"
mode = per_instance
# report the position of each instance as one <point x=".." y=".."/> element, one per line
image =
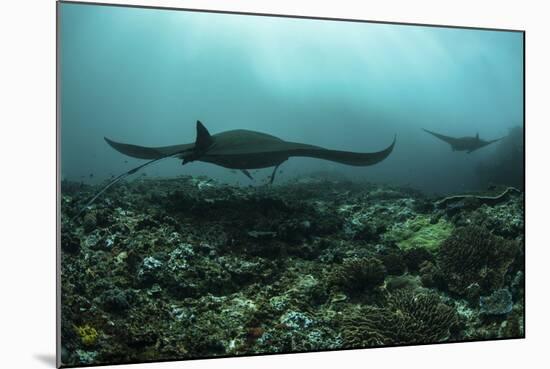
<point x="91" y="175"/>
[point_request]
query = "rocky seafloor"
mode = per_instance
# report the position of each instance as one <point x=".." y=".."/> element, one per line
<point x="171" y="269"/>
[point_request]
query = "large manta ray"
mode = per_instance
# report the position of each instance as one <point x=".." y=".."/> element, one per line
<point x="467" y="144"/>
<point x="239" y="149"/>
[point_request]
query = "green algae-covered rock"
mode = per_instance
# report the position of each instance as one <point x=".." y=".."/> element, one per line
<point x="420" y="232"/>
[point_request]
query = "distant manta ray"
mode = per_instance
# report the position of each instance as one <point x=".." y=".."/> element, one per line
<point x="239" y="149"/>
<point x="468" y="144"/>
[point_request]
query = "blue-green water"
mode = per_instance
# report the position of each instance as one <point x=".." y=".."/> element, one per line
<point x="145" y="76"/>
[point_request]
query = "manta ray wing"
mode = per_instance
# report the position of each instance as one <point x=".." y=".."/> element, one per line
<point x="450" y="140"/>
<point x="143" y="152"/>
<point x="343" y="157"/>
<point x="241" y="147"/>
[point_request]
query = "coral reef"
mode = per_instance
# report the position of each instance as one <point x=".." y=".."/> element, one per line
<point x="406" y="281"/>
<point x="186" y="268"/>
<point x="505" y="219"/>
<point x="407" y="318"/>
<point x="498" y="303"/>
<point x="88" y="335"/>
<point x="355" y="276"/>
<point x="474" y="256"/>
<point x="472" y="201"/>
<point x="415" y="257"/>
<point x="431" y="276"/>
<point x="394" y="263"/>
<point x="421" y="231"/>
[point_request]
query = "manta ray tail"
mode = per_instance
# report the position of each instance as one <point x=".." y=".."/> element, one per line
<point x="154" y="154"/>
<point x="113" y="182"/>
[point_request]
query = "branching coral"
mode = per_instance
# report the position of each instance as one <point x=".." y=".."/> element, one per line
<point x="370" y="326"/>
<point x="473" y="255"/>
<point x="426" y="317"/>
<point x="408" y="318"/>
<point x="357" y="275"/>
